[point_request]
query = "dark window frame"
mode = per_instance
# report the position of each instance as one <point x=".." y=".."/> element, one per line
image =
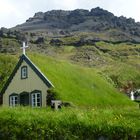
<point x="24" y="67"/>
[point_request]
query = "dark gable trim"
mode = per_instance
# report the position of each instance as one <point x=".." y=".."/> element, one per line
<point x="35" y="69"/>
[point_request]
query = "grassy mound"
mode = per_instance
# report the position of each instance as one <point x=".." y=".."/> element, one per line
<point x="80" y="85"/>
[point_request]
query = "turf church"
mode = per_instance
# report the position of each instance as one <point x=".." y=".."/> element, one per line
<point x="26" y="86"/>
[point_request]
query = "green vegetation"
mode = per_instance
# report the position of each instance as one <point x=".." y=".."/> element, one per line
<point x="87" y="82"/>
<point x="69" y="124"/>
<point x="79" y="85"/>
<point x="9" y="45"/>
<point x="7" y="63"/>
<point x="98" y="111"/>
<point x="116" y="61"/>
<point x="124" y="74"/>
<point x="124" y="64"/>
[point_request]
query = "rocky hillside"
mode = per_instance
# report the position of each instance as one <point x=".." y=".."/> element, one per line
<point x="97" y="20"/>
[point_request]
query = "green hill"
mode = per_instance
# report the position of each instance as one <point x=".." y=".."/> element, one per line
<point x="78" y="85"/>
<point x="7" y="63"/>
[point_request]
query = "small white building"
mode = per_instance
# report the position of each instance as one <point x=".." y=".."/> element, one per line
<point x="135" y="95"/>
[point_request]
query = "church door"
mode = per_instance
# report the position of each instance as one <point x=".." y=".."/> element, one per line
<point x="24" y="99"/>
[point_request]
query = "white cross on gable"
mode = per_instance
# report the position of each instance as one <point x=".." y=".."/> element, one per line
<point x="24" y="47"/>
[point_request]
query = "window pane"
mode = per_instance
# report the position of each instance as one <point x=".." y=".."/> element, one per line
<point x="38" y="104"/>
<point x="24" y="72"/>
<point x="13" y="100"/>
<point x="36" y="101"/>
<point x="16" y="102"/>
<point x="38" y="95"/>
<point x="33" y="95"/>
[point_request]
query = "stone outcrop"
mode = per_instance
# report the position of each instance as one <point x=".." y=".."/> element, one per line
<point x="80" y="20"/>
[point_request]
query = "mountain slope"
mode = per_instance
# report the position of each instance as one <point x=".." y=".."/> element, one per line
<point x="60" y="22"/>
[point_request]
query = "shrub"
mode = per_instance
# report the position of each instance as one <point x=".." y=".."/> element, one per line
<point x="52" y="95"/>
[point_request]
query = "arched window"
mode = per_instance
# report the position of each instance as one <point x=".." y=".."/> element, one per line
<point x="24" y="72"/>
<point x="36" y="98"/>
<point x="13" y="99"/>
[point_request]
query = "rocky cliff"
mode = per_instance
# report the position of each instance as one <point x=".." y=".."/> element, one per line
<point x="96" y="20"/>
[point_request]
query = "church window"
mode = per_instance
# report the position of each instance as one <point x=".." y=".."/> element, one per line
<point x="36" y="99"/>
<point x="24" y="72"/>
<point x="13" y="100"/>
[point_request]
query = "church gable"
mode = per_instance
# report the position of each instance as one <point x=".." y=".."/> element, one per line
<point x="26" y="85"/>
<point x="22" y="68"/>
<point x="26" y="79"/>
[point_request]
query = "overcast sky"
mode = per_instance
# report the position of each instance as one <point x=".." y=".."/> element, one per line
<point x="13" y="12"/>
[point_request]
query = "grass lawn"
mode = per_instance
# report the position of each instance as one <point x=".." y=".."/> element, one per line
<point x="69" y="123"/>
